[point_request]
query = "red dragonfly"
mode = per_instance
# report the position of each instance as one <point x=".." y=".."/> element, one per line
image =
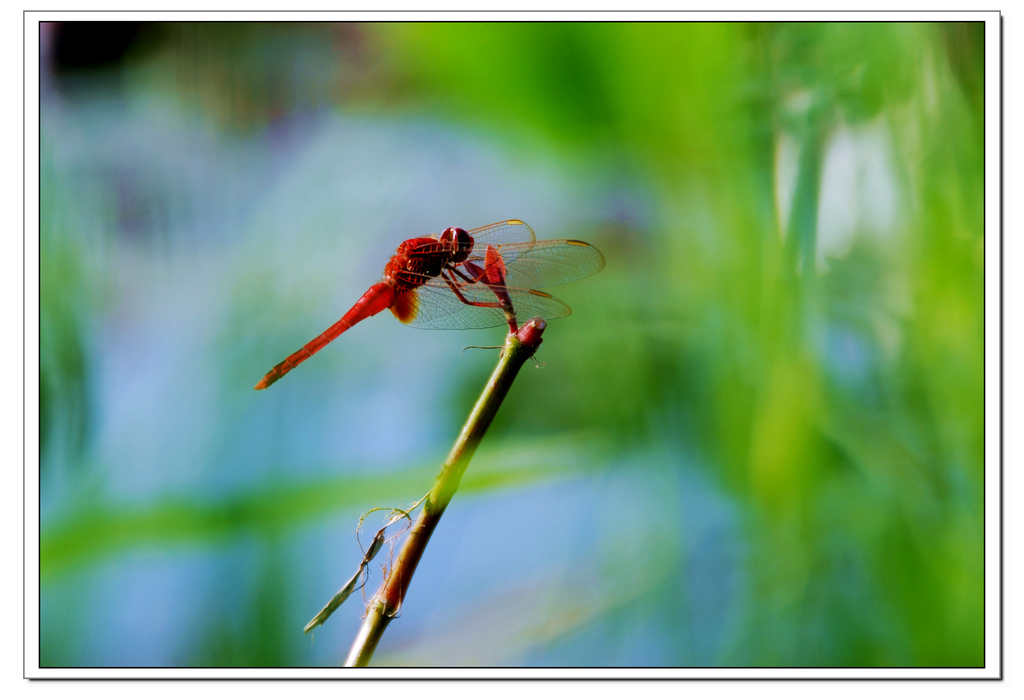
<point x="465" y="279"/>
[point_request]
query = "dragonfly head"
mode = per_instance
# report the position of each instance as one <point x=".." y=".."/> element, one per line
<point x="461" y="242"/>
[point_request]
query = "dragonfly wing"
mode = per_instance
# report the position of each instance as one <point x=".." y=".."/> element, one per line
<point x="510" y="231"/>
<point x="543" y="264"/>
<point x="531" y="302"/>
<point x="436" y="307"/>
<point x="515" y="236"/>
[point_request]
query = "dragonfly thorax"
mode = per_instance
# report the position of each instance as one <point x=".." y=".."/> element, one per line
<point x="420" y="259"/>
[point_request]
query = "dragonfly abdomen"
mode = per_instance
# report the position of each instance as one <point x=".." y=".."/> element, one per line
<point x="376" y="299"/>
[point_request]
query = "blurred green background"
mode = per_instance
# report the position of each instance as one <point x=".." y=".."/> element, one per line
<point x="758" y="441"/>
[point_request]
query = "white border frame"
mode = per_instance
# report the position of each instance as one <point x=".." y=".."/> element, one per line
<point x="993" y="346"/>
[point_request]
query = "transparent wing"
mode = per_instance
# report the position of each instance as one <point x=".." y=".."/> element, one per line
<point x="438" y="308"/>
<point x="510" y="231"/>
<point x="549" y="263"/>
<point x="541" y="264"/>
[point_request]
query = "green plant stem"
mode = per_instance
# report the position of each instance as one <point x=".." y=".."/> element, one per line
<point x="388" y="601"/>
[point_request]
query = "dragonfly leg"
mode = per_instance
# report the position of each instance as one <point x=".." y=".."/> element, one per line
<point x="498" y="287"/>
<point x="455" y="286"/>
<point x="479" y="272"/>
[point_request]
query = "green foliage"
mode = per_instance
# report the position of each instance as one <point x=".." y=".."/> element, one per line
<point x="63" y="308"/>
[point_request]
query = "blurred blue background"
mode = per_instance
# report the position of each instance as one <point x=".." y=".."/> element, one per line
<point x="756" y="442"/>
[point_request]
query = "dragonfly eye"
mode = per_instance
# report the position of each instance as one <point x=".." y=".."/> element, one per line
<point x="462" y="240"/>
